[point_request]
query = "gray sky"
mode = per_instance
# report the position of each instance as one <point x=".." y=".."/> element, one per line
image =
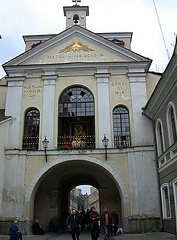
<point x="28" y="17"/>
<point x="85" y="188"/>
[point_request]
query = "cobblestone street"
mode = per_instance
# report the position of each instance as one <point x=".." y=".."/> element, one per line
<point x="86" y="236"/>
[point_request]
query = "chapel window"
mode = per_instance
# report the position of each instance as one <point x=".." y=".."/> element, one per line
<point x="76" y="119"/>
<point x="121" y="127"/>
<point x="31" y="129"/>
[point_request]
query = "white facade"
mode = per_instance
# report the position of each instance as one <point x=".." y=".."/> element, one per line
<point x="113" y="76"/>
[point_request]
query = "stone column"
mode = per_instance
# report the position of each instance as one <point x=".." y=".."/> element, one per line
<point x="103" y="107"/>
<point x="48" y="109"/>
<point x="143" y="130"/>
<point x="13" y="108"/>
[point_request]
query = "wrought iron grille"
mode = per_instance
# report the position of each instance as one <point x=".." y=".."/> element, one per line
<point x="31" y="129"/>
<point x="76" y="142"/>
<point x="121" y="127"/>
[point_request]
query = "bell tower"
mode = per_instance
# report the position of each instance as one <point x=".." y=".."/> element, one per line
<point x="76" y="14"/>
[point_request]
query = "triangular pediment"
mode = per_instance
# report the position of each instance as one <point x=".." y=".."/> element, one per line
<point x="76" y="44"/>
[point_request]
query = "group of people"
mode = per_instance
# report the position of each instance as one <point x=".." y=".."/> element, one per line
<point x="107" y="222"/>
<point x="16" y="234"/>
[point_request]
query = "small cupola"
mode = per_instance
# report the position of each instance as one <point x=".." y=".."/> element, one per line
<point x="76" y="14"/>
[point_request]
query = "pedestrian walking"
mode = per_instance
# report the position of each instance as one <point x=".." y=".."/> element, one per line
<point x="14" y="232"/>
<point x="75" y="223"/>
<point x="106" y="222"/>
<point x="116" y="223"/>
<point x="94" y="223"/>
<point x="87" y="219"/>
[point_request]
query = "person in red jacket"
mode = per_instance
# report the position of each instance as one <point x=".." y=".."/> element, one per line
<point x="106" y="223"/>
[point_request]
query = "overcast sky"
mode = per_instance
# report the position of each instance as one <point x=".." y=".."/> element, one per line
<point x="28" y="17"/>
<point x="85" y="188"/>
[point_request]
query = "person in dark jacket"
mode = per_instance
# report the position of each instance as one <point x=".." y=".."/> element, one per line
<point x="14" y="232"/>
<point x="106" y="222"/>
<point x="75" y="223"/>
<point x="37" y="230"/>
<point x="116" y="222"/>
<point x="94" y="219"/>
<point x="52" y="226"/>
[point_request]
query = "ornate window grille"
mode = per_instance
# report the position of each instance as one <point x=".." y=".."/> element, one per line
<point x="121" y="127"/>
<point x="31" y="129"/>
<point x="76" y="112"/>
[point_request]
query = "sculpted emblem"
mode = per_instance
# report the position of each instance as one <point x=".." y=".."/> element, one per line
<point x="76" y="46"/>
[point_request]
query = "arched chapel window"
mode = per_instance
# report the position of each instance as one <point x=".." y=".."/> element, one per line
<point x="172" y="125"/>
<point x="76" y="122"/>
<point x="160" y="138"/>
<point x="31" y="129"/>
<point x="121" y="127"/>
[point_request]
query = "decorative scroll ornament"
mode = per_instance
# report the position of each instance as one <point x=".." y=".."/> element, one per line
<point x="76" y="46"/>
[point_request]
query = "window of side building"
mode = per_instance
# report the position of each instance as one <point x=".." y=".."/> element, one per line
<point x="160" y="137"/>
<point x="165" y="196"/>
<point x="171" y="123"/>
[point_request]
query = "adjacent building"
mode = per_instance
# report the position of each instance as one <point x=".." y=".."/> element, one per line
<point x="161" y="108"/>
<point x="93" y="199"/>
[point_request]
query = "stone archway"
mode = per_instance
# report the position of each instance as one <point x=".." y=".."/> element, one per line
<point x="53" y="182"/>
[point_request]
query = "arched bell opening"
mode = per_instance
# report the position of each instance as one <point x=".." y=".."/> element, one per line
<point x="76" y="19"/>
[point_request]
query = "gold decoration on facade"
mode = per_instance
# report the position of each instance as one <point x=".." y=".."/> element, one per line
<point x="76" y="46"/>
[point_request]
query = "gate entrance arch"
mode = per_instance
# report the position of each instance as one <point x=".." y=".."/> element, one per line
<point x="48" y="193"/>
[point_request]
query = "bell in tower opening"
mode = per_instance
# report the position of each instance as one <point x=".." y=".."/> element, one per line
<point x="76" y="19"/>
<point x="76" y="14"/>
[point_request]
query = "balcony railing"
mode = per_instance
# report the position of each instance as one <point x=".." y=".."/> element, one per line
<point x="76" y="142"/>
<point x="122" y="141"/>
<point x="30" y="143"/>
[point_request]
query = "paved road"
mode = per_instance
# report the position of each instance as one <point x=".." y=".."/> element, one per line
<point x="86" y="236"/>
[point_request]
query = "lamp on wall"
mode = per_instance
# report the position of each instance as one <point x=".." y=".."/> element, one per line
<point x="105" y="141"/>
<point x="45" y="144"/>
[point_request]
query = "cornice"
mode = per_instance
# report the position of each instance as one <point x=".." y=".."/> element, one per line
<point x="15" y="79"/>
<point x="137" y="74"/>
<point x="74" y="65"/>
<point x="76" y="8"/>
<point x="31" y="38"/>
<point x="102" y="75"/>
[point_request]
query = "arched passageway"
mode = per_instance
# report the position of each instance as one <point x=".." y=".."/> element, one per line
<point x="51" y="188"/>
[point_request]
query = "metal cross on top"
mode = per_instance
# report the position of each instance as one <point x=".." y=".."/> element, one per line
<point x="76" y="1"/>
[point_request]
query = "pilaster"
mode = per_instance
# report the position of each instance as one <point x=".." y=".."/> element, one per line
<point x="13" y="108"/>
<point x="13" y="189"/>
<point x="104" y="121"/>
<point x="48" y="108"/>
<point x="143" y="130"/>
